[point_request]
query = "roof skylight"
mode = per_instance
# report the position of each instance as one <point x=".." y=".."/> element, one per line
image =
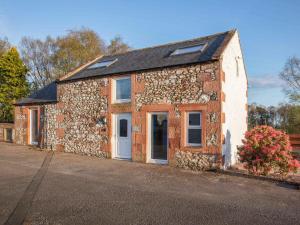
<point x="189" y="49"/>
<point x="102" y="64"/>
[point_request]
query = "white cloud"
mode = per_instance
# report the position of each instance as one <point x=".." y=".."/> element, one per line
<point x="267" y="81"/>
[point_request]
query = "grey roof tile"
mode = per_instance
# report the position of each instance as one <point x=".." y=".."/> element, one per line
<point x="44" y="95"/>
<point x="141" y="59"/>
<point x="158" y="57"/>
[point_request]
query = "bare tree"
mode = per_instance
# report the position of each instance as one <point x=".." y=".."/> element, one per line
<point x="117" y="45"/>
<point x="52" y="58"/>
<point x="4" y="45"/>
<point x="38" y="57"/>
<point x="77" y="48"/>
<point x="291" y="75"/>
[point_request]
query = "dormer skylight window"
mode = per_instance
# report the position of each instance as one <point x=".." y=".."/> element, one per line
<point x="102" y="64"/>
<point x="189" y="49"/>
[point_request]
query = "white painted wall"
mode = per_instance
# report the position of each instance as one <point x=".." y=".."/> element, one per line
<point x="235" y="88"/>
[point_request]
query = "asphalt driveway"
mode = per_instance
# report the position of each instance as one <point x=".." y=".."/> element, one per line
<point x="37" y="187"/>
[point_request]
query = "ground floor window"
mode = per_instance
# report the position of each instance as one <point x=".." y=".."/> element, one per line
<point x="193" y="129"/>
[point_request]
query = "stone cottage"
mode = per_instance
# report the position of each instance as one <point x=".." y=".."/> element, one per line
<point x="182" y="104"/>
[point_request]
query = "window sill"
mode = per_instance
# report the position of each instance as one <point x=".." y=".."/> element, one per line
<point x="193" y="148"/>
<point x="122" y="101"/>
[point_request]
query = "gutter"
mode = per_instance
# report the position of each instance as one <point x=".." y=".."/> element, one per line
<point x="36" y="103"/>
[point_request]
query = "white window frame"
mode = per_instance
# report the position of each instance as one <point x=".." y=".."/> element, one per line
<point x="193" y="127"/>
<point x="115" y="100"/>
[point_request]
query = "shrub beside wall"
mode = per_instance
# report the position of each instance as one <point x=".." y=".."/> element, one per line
<point x="266" y="150"/>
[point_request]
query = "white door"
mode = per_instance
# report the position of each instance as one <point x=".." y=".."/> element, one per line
<point x="123" y="136"/>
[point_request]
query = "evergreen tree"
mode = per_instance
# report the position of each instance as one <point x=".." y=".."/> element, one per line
<point x="13" y="83"/>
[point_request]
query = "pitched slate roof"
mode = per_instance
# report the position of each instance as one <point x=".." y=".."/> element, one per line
<point x="158" y="57"/>
<point x="44" y="95"/>
<point x="138" y="60"/>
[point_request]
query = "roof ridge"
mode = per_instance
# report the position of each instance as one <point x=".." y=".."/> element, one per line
<point x="172" y="43"/>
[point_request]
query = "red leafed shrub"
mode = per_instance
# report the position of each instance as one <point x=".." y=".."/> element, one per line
<point x="265" y="149"/>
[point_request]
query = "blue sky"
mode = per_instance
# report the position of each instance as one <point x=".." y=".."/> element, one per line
<point x="269" y="30"/>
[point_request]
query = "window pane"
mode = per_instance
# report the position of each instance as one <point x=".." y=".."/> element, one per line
<point x="159" y="136"/>
<point x="190" y="49"/>
<point x="123" y="89"/>
<point x="194" y="119"/>
<point x="123" y="128"/>
<point x="34" y="126"/>
<point x="194" y="136"/>
<point x="102" y="64"/>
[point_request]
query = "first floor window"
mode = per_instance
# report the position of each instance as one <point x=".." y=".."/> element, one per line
<point x="123" y="89"/>
<point x="194" y="129"/>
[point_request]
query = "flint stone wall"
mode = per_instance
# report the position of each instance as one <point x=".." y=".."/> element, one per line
<point x="48" y="119"/>
<point x="84" y="106"/>
<point x="195" y="161"/>
<point x="81" y="107"/>
<point x="176" y="86"/>
<point x="194" y="84"/>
